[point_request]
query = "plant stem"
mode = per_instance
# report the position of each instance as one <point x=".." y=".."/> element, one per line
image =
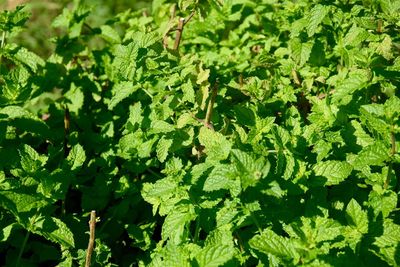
<point x="182" y="22"/>
<point x="179" y="31"/>
<point x="379" y="26"/>
<point x="189" y="18"/>
<point x="197" y="231"/>
<point x="207" y="120"/>
<point x="3" y="40"/>
<point x="393" y="141"/>
<point x="67" y="123"/>
<point x="92" y="227"/>
<point x="392" y="152"/>
<point x="21" y="251"/>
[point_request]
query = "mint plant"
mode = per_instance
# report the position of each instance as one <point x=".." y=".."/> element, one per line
<point x="204" y="133"/>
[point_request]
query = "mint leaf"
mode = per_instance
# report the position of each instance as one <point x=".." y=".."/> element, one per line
<point x="124" y="63"/>
<point x="356" y="216"/>
<point x="250" y="170"/>
<point x="110" y="34"/>
<point x="300" y="51"/>
<point x="221" y="177"/>
<point x="214" y="256"/>
<point x="76" y="157"/>
<point x="269" y="242"/>
<point x="120" y="92"/>
<point x="373" y="155"/>
<point x="54" y="230"/>
<point x="217" y="147"/>
<point x="174" y="227"/>
<point x="316" y="16"/>
<point x="162" y="148"/>
<point x="334" y="171"/>
<point x="31" y="161"/>
<point x="6" y="232"/>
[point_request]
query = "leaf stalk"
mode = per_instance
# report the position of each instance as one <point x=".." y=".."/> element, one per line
<point x="210" y="107"/>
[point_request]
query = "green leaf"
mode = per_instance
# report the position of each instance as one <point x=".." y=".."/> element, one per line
<point x="158" y="126"/>
<point x="145" y="148"/>
<point x="385" y="48"/>
<point x="30" y="59"/>
<point x="269" y="242"/>
<point x="76" y="157"/>
<point x="221" y="177"/>
<point x="203" y="75"/>
<point x="356" y="216"/>
<point x="158" y="192"/>
<point x="249" y="169"/>
<point x="188" y="92"/>
<point x="21" y="205"/>
<point x="315" y="17"/>
<point x="54" y="230"/>
<point x="6" y="232"/>
<point x="391" y="107"/>
<point x="109" y="34"/>
<point x="215" y="255"/>
<point x="356" y="80"/>
<point x="145" y="40"/>
<point x="12" y="20"/>
<point x="217" y="147"/>
<point x="355" y="36"/>
<point x="363" y="138"/>
<point x="388" y="243"/>
<point x="174" y="227"/>
<point x="135" y="114"/>
<point x="382" y="203"/>
<point x="162" y="148"/>
<point x="31" y="161"/>
<point x="121" y="91"/>
<point x="334" y="171"/>
<point x="172" y="255"/>
<point x="124" y="63"/>
<point x="372" y="155"/>
<point x="301" y="51"/>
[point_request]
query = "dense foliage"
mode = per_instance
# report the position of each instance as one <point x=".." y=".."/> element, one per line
<point x="252" y="133"/>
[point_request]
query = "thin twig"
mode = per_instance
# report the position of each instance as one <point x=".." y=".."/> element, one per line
<point x="179" y="31"/>
<point x="92" y="227"/>
<point x="189" y="18"/>
<point x="207" y="120"/>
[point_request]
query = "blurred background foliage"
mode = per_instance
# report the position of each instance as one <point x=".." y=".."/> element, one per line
<point x="39" y="30"/>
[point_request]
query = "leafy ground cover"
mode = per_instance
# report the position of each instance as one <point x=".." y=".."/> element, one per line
<point x="204" y="133"/>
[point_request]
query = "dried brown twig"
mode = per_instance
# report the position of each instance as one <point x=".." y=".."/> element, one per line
<point x="92" y="227"/>
<point x="181" y="24"/>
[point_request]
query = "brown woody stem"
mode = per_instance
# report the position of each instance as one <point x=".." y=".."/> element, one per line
<point x="92" y="227"/>
<point x="179" y="31"/>
<point x="379" y="27"/>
